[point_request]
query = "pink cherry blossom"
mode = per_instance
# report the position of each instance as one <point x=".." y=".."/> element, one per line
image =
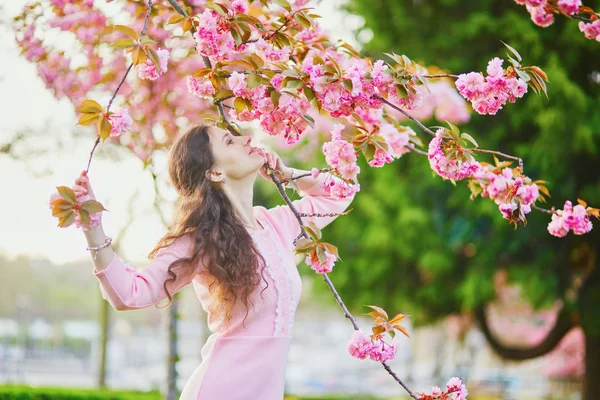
<point x="570" y="218"/>
<point x="339" y="189"/>
<point x="382" y="352"/>
<point x="360" y="345"/>
<point x="569" y="7"/>
<point x="199" y="88"/>
<point x="448" y="168"/>
<point x="148" y="70"/>
<point x="322" y="267"/>
<point x="488" y="94"/>
<point x="540" y="16"/>
<point x="240" y="6"/>
<point x="237" y="83"/>
<point x="591" y="30"/>
<point x="120" y="121"/>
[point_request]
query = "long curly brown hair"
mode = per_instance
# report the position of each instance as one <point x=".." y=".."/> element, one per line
<point x="223" y="249"/>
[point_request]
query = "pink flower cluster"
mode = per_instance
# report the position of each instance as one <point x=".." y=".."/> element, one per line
<point x="513" y="196"/>
<point x="362" y="346"/>
<point x="591" y="30"/>
<point x="445" y="167"/>
<point x="213" y="38"/>
<point x="340" y="154"/>
<point x="148" y="70"/>
<point x="542" y="11"/>
<point x="82" y="196"/>
<point x="284" y="120"/>
<point x="488" y="94"/>
<point x="455" y="390"/>
<point x="570" y="218"/>
<point x="318" y="266"/>
<point x="199" y="88"/>
<point x="120" y="121"/>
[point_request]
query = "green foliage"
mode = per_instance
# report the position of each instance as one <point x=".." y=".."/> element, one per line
<point x="22" y="392"/>
<point x="417" y="245"/>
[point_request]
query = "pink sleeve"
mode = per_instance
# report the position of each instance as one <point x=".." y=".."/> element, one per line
<point x="314" y="200"/>
<point x="126" y="288"/>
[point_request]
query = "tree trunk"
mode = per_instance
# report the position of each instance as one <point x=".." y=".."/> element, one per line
<point x="592" y="367"/>
<point x="173" y="356"/>
<point x="104" y="333"/>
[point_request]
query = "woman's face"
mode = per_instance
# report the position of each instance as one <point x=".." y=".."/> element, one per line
<point x="234" y="155"/>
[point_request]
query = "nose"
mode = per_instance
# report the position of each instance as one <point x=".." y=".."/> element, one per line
<point x="248" y="140"/>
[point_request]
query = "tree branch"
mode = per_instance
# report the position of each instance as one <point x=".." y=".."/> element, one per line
<point x="564" y="323"/>
<point x="207" y="64"/>
<point x="395" y="107"/>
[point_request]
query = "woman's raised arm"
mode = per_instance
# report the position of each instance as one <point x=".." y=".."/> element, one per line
<point x="315" y="199"/>
<point x="128" y="288"/>
<point x="124" y="286"/>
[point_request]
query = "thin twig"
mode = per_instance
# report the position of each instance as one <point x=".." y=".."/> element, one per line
<point x="520" y="160"/>
<point x="440" y="76"/>
<point x="393" y="374"/>
<point x="207" y="64"/>
<point x="584" y="19"/>
<point x="416" y="121"/>
<point x="119" y="87"/>
<point x="120" y="84"/>
<point x="542" y="209"/>
<point x="421" y="152"/>
<point x="332" y="289"/>
<point x="309" y="215"/>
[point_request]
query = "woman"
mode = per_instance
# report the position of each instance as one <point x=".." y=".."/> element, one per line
<point x="239" y="258"/>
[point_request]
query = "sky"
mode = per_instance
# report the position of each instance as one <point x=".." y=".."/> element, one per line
<point x="27" y="226"/>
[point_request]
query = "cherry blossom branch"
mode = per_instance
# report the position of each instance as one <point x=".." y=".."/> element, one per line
<point x="542" y="209"/>
<point x="421" y="152"/>
<point x="207" y="64"/>
<point x="323" y="170"/>
<point x="520" y="160"/>
<point x="395" y="107"/>
<point x="332" y="288"/>
<point x="97" y="142"/>
<point x="440" y="76"/>
<point x="308" y="215"/>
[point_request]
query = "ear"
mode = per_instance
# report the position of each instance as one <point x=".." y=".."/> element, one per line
<point x="214" y="175"/>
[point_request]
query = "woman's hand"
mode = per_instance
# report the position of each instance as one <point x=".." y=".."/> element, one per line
<point x="274" y="162"/>
<point x="82" y="185"/>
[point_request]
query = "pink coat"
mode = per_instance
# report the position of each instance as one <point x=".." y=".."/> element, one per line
<point x="238" y="362"/>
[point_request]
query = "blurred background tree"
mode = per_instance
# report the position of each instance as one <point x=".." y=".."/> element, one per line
<point x="417" y="245"/>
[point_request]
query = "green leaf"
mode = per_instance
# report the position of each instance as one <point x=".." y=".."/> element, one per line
<point x="275" y="98"/>
<point x="84" y="216"/>
<point x="308" y="93"/>
<point x="347" y="84"/>
<point x="93" y="206"/>
<point x="123" y="43"/>
<point x="469" y="138"/>
<point x="293" y="83"/>
<point x="67" y="220"/>
<point x="90" y="106"/>
<point x="126" y="30"/>
<point x="283" y="3"/>
<point x="67" y="193"/>
<point x="310" y="120"/>
<point x="104" y="128"/>
<point x="514" y="52"/>
<point x="239" y="104"/>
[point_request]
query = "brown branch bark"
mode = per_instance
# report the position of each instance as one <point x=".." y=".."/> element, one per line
<point x="564" y="323"/>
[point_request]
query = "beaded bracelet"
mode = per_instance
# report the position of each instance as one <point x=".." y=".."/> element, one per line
<point x="289" y="180"/>
<point x="106" y="243"/>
